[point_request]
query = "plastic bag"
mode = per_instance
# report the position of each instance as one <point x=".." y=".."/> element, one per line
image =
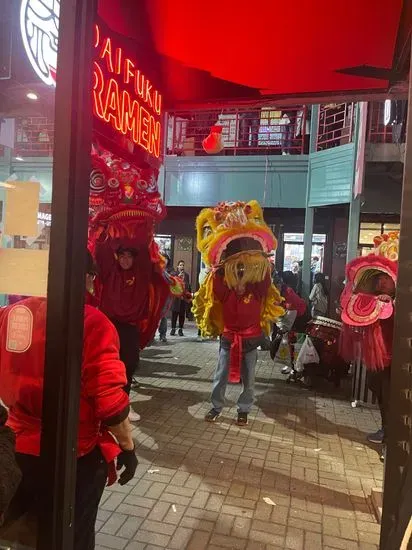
<point x="307" y="354"/>
<point x="282" y="353"/>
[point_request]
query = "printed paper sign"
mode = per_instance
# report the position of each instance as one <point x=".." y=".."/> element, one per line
<point x="19" y="329"/>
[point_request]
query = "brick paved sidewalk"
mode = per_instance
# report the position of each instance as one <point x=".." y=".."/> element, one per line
<point x="297" y="477"/>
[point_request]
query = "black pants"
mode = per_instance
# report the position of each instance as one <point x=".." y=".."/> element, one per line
<point x="379" y="385"/>
<point x="180" y="314"/>
<point x="129" y="349"/>
<point x="90" y="484"/>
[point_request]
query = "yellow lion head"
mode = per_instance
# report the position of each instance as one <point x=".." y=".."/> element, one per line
<point x="235" y="237"/>
<point x="231" y="227"/>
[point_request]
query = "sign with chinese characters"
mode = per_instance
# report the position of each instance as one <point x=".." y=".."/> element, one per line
<point x="39" y="25"/>
<point x="19" y="329"/>
<point x="124" y="97"/>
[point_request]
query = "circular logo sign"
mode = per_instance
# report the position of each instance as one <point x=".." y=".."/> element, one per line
<point x="39" y="25"/>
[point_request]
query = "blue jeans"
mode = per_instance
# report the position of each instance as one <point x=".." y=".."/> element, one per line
<point x="247" y="374"/>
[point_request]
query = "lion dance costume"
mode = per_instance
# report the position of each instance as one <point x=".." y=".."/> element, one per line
<point x="367" y="304"/>
<point x="124" y="206"/>
<point x="236" y="299"/>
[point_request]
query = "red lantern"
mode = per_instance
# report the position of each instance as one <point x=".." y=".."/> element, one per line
<point x="213" y="143"/>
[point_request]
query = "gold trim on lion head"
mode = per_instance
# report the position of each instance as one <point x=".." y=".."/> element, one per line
<point x="231" y="225"/>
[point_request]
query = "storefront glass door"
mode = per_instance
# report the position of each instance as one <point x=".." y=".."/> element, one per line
<point x="293" y="251"/>
<point x="43" y="239"/>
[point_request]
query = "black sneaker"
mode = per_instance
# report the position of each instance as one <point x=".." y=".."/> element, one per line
<point x="163" y="339"/>
<point x="376" y="437"/>
<point x="241" y="419"/>
<point x="180" y="332"/>
<point x="212" y="415"/>
<point x="173" y="332"/>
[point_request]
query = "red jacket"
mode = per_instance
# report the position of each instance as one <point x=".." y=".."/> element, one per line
<point x="124" y="294"/>
<point x="102" y="379"/>
<point x="293" y="302"/>
<point x="241" y="319"/>
<point x="241" y="312"/>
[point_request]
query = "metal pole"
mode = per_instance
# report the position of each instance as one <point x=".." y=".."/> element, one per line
<point x="399" y="455"/>
<point x="353" y="229"/>
<point x="310" y="212"/>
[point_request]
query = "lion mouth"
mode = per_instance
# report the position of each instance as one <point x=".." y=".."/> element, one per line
<point x="240" y="244"/>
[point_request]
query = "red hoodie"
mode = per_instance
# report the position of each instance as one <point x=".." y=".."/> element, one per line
<point x="292" y="301"/>
<point x="102" y="379"/>
<point x="124" y="294"/>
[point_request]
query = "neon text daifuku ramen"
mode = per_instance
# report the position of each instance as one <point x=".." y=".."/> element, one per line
<point x="39" y="24"/>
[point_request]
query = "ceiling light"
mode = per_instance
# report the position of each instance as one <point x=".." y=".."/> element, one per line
<point x="21" y="159"/>
<point x="32" y="96"/>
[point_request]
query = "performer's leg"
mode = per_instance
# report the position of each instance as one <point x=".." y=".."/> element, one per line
<point x="91" y="480"/>
<point x="129" y="350"/>
<point x="163" y="328"/>
<point x="247" y="397"/>
<point x="220" y="380"/>
<point x="375" y="384"/>
<point x="182" y="315"/>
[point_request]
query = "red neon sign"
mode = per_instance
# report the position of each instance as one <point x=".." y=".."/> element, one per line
<point x="124" y="98"/>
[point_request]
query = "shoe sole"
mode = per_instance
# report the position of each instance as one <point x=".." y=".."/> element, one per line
<point x="211" y="420"/>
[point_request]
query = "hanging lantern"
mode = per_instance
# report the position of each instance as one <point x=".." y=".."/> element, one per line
<point x="213" y="143"/>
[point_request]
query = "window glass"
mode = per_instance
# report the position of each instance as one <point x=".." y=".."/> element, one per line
<point x="391" y="227"/>
<point x="26" y="167"/>
<point x="298" y="237"/>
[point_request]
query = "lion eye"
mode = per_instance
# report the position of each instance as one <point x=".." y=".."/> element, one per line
<point x="207" y="230"/>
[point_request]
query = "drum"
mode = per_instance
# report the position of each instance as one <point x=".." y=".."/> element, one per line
<point x="327" y="330"/>
<point x="325" y="334"/>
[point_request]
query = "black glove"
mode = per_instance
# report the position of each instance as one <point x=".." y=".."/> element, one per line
<point x="128" y="461"/>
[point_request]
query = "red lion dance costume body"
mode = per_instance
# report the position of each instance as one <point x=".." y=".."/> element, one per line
<point x="368" y="316"/>
<point x="237" y="299"/>
<point x="133" y="286"/>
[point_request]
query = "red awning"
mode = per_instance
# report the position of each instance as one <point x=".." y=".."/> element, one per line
<point x="281" y="48"/>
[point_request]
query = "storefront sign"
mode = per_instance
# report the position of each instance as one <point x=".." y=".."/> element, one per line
<point x="39" y="26"/>
<point x="124" y="97"/>
<point x="19" y="329"/>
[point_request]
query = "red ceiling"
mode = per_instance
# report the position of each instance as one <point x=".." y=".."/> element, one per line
<point x="279" y="46"/>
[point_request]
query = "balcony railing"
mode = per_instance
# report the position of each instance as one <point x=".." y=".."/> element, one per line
<point x="34" y="137"/>
<point x="336" y="125"/>
<point x="394" y="131"/>
<point x="246" y="131"/>
<point x="258" y="131"/>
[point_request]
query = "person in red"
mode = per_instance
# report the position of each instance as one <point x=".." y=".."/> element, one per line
<point x="238" y="345"/>
<point x="104" y="409"/>
<point x="295" y="318"/>
<point x="125" y="270"/>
